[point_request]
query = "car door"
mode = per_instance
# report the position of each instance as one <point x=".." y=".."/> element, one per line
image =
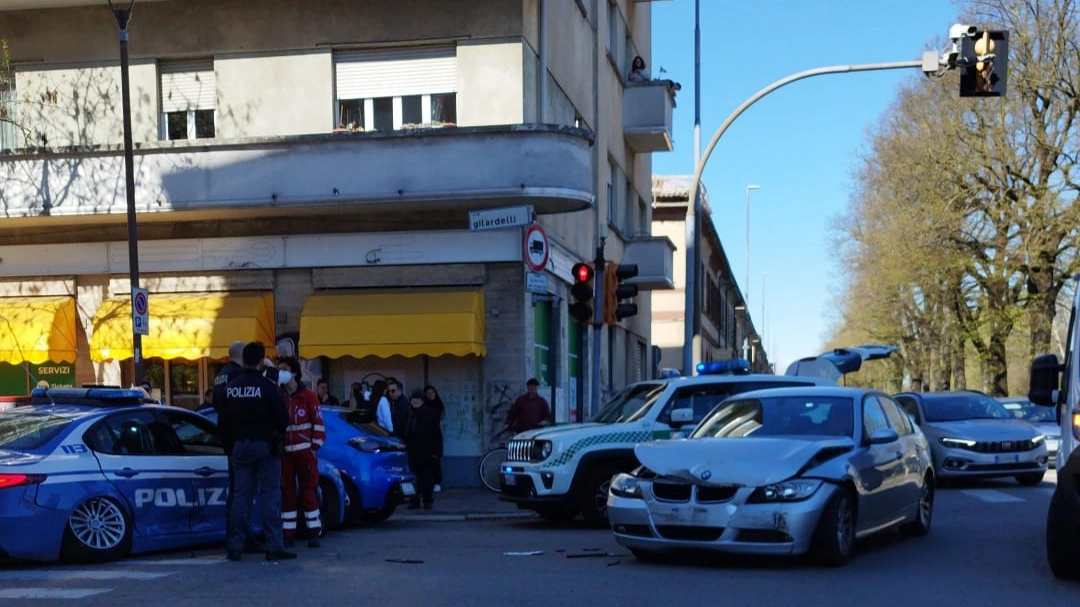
<point x="203" y="456"/>
<point x="136" y="456"/>
<point x="913" y="450"/>
<point x="880" y="471"/>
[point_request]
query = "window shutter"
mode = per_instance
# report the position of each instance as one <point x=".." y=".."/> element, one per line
<point x="395" y="73"/>
<point x="187" y="85"/>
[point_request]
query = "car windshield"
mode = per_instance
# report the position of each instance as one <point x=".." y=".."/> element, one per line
<point x="25" y="431"/>
<point x="1031" y="413"/>
<point x="629" y="404"/>
<point x="780" y="416"/>
<point x="363" y="420"/>
<point x="960" y="407"/>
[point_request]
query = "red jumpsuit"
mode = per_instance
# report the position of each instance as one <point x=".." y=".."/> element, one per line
<point x="299" y="467"/>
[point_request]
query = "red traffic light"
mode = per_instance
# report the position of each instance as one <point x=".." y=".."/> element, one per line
<point x="582" y="272"/>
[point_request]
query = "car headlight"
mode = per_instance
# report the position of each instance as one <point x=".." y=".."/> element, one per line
<point x="787" y="491"/>
<point x="541" y="450"/>
<point x="958" y="443"/>
<point x="1038" y="439"/>
<point x="624" y="485"/>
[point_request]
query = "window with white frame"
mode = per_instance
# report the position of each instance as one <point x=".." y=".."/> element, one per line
<point x="387" y="90"/>
<point x="188" y="99"/>
<point x="10" y="134"/>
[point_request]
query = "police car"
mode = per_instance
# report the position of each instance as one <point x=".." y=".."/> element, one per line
<point x="94" y="474"/>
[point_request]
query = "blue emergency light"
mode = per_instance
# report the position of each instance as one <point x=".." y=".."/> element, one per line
<point x="734" y="366"/>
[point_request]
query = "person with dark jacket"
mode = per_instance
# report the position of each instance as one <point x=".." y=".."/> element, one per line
<point x="228" y="373"/>
<point x="424" y="444"/>
<point x="254" y="417"/>
<point x="399" y="405"/>
<point x="433" y="400"/>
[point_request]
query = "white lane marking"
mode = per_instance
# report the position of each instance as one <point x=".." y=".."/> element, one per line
<point x="50" y="593"/>
<point x="991" y="495"/>
<point x="198" y="561"/>
<point x="81" y="574"/>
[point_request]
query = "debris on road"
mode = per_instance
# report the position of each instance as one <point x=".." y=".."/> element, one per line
<point x="523" y="553"/>
<point x="406" y="561"/>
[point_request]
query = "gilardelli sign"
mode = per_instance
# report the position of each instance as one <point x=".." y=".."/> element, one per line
<point x="501" y="219"/>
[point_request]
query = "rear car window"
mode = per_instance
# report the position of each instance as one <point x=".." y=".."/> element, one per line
<point x="26" y="431"/>
<point x="703" y="398"/>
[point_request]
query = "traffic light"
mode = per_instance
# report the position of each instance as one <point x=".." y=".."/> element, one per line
<point x="984" y="64"/>
<point x="581" y="309"/>
<point x="615" y="291"/>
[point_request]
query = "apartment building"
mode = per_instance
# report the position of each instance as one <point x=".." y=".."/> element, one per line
<point x="724" y="328"/>
<point x="304" y="173"/>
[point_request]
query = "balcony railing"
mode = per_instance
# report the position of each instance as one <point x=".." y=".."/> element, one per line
<point x="647" y="112"/>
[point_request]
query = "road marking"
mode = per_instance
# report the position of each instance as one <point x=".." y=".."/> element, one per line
<point x="183" y="562"/>
<point x="50" y="593"/>
<point x="991" y="495"/>
<point x="81" y="574"/>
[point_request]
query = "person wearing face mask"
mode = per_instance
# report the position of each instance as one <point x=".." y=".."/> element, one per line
<point x="304" y="436"/>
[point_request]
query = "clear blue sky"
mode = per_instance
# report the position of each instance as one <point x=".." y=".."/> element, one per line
<point x="801" y="143"/>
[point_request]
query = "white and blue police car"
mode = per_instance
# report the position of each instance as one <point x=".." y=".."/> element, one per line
<point x="93" y="474"/>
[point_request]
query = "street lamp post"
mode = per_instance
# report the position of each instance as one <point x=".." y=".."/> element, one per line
<point x="748" y="189"/>
<point x="123" y="18"/>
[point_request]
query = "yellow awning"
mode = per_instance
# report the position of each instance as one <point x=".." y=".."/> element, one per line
<point x="412" y="323"/>
<point x="185" y="325"/>
<point x="37" y="329"/>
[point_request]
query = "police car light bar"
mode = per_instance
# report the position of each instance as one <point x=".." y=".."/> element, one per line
<point x="724" y="367"/>
<point x="88" y="397"/>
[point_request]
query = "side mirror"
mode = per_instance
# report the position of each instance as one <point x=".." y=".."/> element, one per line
<point x="681" y="417"/>
<point x="1043" y="380"/>
<point x="884" y="436"/>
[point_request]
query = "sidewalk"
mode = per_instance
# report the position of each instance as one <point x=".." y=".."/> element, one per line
<point x="464" y="505"/>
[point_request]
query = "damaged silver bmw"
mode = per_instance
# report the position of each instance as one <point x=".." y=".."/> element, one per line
<point x="781" y="471"/>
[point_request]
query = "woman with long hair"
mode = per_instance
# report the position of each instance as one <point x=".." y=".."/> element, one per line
<point x="434" y="401"/>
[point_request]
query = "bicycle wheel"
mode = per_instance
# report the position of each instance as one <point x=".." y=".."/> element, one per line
<point x="491" y="468"/>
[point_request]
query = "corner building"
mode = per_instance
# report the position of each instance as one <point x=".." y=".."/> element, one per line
<point x="304" y="175"/>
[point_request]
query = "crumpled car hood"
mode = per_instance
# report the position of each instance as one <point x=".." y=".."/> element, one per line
<point x="749" y="462"/>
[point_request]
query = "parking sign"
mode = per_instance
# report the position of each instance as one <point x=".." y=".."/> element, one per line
<point x="140" y="311"/>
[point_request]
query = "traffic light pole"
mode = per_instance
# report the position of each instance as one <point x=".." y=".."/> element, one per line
<point x="693" y="252"/>
<point x="597" y="327"/>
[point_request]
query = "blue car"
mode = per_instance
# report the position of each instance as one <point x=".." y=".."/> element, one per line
<point x="94" y="474"/>
<point x="333" y="500"/>
<point x="373" y="464"/>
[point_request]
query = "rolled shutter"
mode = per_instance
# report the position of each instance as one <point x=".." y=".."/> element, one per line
<point x="395" y="73"/>
<point x="187" y="85"/>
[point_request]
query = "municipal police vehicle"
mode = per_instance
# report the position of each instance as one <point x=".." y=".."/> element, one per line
<point x="94" y="474"/>
<point x="561" y="471"/>
<point x="1056" y="384"/>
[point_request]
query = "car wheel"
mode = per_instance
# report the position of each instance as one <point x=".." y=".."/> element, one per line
<point x="378" y="516"/>
<point x="594" y="494"/>
<point x="1062" y="529"/>
<point x="1031" y="478"/>
<point x="557" y="514"/>
<point x="329" y="504"/>
<point x="97" y="531"/>
<point x="925" y="515"/>
<point x="834" y="538"/>
<point x="354" y="511"/>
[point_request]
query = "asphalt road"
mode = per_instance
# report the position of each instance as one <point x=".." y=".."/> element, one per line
<point x="986" y="548"/>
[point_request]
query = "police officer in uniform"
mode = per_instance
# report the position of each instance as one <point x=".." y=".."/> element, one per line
<point x="254" y="417"/>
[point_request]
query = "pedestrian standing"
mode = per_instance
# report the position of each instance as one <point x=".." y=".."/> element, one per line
<point x="304" y="436"/>
<point x="530" y="410"/>
<point x="399" y="405"/>
<point x="424" y="445"/>
<point x="434" y="401"/>
<point x="254" y="416"/>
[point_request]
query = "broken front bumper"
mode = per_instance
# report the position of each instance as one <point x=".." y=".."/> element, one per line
<point x="734" y="526"/>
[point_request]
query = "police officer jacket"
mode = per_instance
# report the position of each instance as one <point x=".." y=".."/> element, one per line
<point x="254" y="409"/>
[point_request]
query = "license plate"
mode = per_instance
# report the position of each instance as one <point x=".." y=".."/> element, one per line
<point x="1007" y="459"/>
<point x="509" y="479"/>
<point x="408" y="489"/>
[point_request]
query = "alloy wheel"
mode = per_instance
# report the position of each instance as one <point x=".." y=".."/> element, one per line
<point x="99" y="524"/>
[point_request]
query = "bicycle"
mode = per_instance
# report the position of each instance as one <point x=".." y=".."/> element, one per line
<point x="492" y="461"/>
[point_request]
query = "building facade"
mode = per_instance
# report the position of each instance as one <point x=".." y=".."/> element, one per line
<point x="304" y="175"/>
<point x="724" y="327"/>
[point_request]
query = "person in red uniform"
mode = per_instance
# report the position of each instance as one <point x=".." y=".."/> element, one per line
<point x="299" y="468"/>
<point x="529" y="411"/>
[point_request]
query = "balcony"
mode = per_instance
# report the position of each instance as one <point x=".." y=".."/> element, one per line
<point x="417" y="170"/>
<point x="654" y="258"/>
<point x="647" y="109"/>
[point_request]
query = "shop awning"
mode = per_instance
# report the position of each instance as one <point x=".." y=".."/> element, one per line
<point x="37" y="329"/>
<point x="185" y="325"/>
<point x="412" y="323"/>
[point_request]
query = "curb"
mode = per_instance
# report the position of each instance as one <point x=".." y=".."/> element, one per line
<point x="470" y="516"/>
